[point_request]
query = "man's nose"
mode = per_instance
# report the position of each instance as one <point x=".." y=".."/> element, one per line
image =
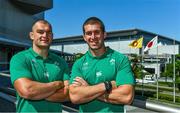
<point x="93" y="36"/>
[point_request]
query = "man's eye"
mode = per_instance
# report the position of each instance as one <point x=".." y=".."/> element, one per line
<point x="88" y="33"/>
<point x="40" y="32"/>
<point x="49" y="33"/>
<point x="97" y="32"/>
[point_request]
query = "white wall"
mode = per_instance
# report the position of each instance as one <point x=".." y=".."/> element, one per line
<point x="165" y="49"/>
<point x="122" y="46"/>
<point x="72" y="48"/>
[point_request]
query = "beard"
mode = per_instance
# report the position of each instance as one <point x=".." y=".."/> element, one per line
<point x="43" y="46"/>
<point x="95" y="48"/>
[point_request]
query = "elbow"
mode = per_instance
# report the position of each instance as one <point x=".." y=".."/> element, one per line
<point x="126" y="100"/>
<point x="129" y="97"/>
<point x="129" y="100"/>
<point x="75" y="99"/>
<point x="26" y="93"/>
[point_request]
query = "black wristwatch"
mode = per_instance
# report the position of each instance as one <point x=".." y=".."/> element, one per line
<point x="108" y="86"/>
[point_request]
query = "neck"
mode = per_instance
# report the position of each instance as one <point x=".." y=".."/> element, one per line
<point x="41" y="51"/>
<point x="98" y="52"/>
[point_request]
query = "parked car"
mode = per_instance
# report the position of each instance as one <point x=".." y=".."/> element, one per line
<point x="146" y="79"/>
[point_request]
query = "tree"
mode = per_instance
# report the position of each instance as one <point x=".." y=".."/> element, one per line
<point x="137" y="68"/>
<point x="177" y="65"/>
<point x="169" y="71"/>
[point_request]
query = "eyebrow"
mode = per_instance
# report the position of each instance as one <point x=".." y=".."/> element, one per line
<point x="43" y="30"/>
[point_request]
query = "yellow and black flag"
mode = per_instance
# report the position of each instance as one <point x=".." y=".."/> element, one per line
<point x="136" y="43"/>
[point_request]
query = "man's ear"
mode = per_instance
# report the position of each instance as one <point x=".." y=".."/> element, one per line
<point x="84" y="38"/>
<point x="31" y="35"/>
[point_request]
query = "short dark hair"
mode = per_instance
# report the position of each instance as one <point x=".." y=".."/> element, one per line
<point x="42" y="21"/>
<point x="93" y="20"/>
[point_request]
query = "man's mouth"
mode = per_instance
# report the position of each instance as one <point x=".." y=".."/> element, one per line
<point x="44" y="40"/>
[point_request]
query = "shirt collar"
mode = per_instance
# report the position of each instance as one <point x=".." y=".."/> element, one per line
<point x="38" y="56"/>
<point x="108" y="50"/>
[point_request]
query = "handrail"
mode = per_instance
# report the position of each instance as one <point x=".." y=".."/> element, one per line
<point x="148" y="105"/>
<point x="7" y="97"/>
<point x="4" y="74"/>
<point x="161" y="107"/>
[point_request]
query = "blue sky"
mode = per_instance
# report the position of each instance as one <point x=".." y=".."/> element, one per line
<point x="157" y="16"/>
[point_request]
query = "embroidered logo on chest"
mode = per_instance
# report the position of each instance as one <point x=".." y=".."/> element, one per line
<point x="85" y="66"/>
<point x="57" y="64"/>
<point x="99" y="73"/>
<point x="112" y="61"/>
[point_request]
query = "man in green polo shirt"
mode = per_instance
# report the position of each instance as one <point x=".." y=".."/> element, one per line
<point x="39" y="76"/>
<point x="101" y="80"/>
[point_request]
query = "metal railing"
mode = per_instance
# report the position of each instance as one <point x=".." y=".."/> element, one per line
<point x="152" y="106"/>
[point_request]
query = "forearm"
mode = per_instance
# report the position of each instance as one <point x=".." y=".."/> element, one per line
<point x="60" y="95"/>
<point x="120" y="95"/>
<point x="85" y="99"/>
<point x="82" y="94"/>
<point x="43" y="90"/>
<point x="35" y="90"/>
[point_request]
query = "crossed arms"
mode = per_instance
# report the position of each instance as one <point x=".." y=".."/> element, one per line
<point x="82" y="92"/>
<point x="56" y="91"/>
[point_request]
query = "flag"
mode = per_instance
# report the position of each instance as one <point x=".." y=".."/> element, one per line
<point x="136" y="43"/>
<point x="151" y="44"/>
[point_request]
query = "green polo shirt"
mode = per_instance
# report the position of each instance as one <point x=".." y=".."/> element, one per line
<point x="112" y="65"/>
<point x="28" y="64"/>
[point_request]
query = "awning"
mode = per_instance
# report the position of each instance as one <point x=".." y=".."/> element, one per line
<point x="7" y="41"/>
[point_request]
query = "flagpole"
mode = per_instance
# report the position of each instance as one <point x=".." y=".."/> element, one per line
<point x="142" y="70"/>
<point x="151" y="44"/>
<point x="174" y="77"/>
<point x="157" y="90"/>
<point x="138" y="44"/>
<point x="130" y="47"/>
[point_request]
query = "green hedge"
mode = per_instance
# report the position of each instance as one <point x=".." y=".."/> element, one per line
<point x="167" y="97"/>
<point x="162" y="97"/>
<point x="160" y="88"/>
<point x="168" y="84"/>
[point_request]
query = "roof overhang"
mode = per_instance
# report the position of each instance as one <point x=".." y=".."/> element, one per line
<point x="34" y="6"/>
<point x="6" y="41"/>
